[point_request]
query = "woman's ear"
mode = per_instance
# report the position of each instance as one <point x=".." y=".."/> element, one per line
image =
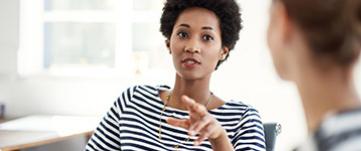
<point x="224" y="53"/>
<point x="281" y="23"/>
<point x="167" y="43"/>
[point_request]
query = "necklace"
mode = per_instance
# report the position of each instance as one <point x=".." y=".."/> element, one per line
<point x="161" y="115"/>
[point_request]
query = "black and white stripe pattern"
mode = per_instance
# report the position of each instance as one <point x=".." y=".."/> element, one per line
<point x="133" y="121"/>
<point x="340" y="132"/>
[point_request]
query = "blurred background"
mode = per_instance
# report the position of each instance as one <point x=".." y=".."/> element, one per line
<point x="74" y="57"/>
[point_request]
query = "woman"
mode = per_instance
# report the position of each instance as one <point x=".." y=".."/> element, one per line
<point x="316" y="44"/>
<point x="199" y="35"/>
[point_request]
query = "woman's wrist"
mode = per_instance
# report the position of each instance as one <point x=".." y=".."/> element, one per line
<point x="220" y="137"/>
<point x="221" y="142"/>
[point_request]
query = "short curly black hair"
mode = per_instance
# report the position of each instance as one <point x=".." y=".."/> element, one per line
<point x="227" y="11"/>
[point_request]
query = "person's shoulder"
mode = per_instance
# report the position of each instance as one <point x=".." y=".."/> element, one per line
<point x="143" y="92"/>
<point x="151" y="89"/>
<point x="239" y="105"/>
<point x="343" y="121"/>
<point x="341" y="130"/>
<point x="146" y="88"/>
<point x="238" y="108"/>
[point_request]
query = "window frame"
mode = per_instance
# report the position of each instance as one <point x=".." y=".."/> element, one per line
<point x="33" y="16"/>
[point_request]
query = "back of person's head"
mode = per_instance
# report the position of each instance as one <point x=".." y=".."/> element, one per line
<point x="227" y="11"/>
<point x="331" y="28"/>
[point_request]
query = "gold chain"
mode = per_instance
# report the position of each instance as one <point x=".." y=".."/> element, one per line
<point x="161" y="115"/>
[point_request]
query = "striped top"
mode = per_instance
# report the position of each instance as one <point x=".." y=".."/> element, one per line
<point x="132" y="123"/>
<point x="340" y="132"/>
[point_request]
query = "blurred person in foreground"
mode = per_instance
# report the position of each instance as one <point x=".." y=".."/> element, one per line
<point x="316" y="44"/>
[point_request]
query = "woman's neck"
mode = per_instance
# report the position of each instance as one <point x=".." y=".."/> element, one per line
<point x="326" y="93"/>
<point x="195" y="89"/>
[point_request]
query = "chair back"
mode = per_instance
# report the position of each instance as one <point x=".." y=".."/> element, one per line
<point x="271" y="130"/>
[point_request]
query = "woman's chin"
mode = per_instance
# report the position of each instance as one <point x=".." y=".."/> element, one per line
<point x="190" y="75"/>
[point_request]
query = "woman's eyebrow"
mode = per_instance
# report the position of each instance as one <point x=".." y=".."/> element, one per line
<point x="207" y="28"/>
<point x="185" y="25"/>
<point x="204" y="27"/>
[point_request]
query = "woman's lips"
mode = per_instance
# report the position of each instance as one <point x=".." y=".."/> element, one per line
<point x="190" y="62"/>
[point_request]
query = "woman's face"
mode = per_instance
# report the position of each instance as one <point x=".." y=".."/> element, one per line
<point x="196" y="44"/>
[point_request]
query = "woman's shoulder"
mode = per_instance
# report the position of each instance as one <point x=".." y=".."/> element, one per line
<point x="143" y="93"/>
<point x="339" y="129"/>
<point x="237" y="105"/>
<point x="146" y="88"/>
<point x="236" y="108"/>
<point x="338" y="126"/>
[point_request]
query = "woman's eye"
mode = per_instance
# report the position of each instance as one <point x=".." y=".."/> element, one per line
<point x="207" y="38"/>
<point x="182" y="35"/>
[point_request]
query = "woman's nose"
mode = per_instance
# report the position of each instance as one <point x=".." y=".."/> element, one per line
<point x="192" y="47"/>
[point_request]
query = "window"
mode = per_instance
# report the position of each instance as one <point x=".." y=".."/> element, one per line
<point x="66" y="37"/>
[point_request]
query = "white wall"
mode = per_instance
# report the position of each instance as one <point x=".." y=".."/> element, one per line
<point x="8" y="43"/>
<point x="8" y="36"/>
<point x="247" y="76"/>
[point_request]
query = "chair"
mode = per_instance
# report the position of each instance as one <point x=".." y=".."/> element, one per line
<point x="271" y="130"/>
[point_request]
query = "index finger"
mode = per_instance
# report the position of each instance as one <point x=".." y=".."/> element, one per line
<point x="194" y="106"/>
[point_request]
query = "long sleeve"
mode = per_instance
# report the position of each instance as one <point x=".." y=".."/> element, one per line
<point x="250" y="134"/>
<point x="106" y="135"/>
